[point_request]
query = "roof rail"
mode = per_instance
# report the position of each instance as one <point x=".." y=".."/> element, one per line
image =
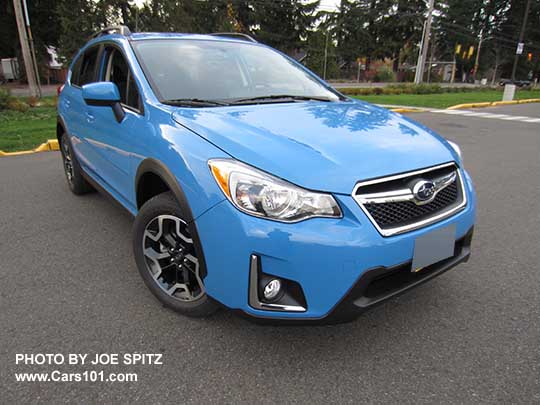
<point x="234" y="35"/>
<point x="114" y="29"/>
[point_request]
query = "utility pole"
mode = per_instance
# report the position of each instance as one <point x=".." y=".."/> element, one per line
<point x="521" y="35"/>
<point x="425" y="44"/>
<point x="27" y="56"/>
<point x="431" y="60"/>
<point x="325" y="54"/>
<point x="32" y="49"/>
<point x="477" y="60"/>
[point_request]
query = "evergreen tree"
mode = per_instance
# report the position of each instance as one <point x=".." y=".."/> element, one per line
<point x="284" y="24"/>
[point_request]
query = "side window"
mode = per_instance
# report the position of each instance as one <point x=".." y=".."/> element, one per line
<point x="118" y="72"/>
<point x="87" y="68"/>
<point x="76" y="71"/>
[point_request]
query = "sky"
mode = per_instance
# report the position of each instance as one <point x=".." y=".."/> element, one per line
<point x="329" y="5"/>
<point x="326" y="5"/>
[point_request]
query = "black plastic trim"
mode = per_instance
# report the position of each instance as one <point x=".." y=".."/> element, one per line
<point x="103" y="191"/>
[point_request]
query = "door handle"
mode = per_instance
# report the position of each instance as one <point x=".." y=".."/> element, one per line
<point x="90" y="117"/>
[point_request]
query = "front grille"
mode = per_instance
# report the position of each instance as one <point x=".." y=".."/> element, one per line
<point x="404" y="212"/>
<point x="392" y="206"/>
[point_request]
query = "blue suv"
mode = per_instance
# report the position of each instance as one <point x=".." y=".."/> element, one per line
<point x="256" y="185"/>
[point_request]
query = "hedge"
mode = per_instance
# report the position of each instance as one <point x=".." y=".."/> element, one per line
<point x="408" y="89"/>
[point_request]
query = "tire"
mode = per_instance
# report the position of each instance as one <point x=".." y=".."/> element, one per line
<point x="169" y="262"/>
<point x="72" y="169"/>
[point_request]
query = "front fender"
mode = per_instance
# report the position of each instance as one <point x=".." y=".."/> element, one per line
<point x="180" y="158"/>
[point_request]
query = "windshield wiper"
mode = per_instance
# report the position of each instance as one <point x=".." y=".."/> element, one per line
<point x="274" y="97"/>
<point x="194" y="102"/>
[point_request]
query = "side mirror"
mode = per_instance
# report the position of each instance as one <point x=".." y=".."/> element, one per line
<point x="104" y="94"/>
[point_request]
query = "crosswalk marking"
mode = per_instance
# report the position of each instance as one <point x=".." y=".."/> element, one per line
<point x="515" y="118"/>
<point x="478" y="114"/>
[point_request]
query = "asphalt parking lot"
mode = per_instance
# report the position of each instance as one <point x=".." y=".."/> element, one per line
<point x="68" y="284"/>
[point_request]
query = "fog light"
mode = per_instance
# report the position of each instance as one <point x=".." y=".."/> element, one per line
<point x="272" y="289"/>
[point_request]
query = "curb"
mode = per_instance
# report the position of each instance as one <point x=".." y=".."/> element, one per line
<point x="51" y="144"/>
<point x="408" y="110"/>
<point x="403" y="108"/>
<point x="494" y="103"/>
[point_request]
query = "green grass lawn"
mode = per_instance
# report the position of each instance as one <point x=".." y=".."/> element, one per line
<point x="444" y="100"/>
<point x="27" y="130"/>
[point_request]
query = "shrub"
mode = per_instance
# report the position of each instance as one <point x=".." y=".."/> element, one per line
<point x="32" y="101"/>
<point x="49" y="101"/>
<point x="385" y="75"/>
<point x="4" y="98"/>
<point x="16" y="104"/>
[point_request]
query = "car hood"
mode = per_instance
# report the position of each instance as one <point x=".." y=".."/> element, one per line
<point x="319" y="145"/>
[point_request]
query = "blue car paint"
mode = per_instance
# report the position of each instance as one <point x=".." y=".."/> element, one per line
<point x="102" y="91"/>
<point x="320" y="146"/>
<point x="335" y="144"/>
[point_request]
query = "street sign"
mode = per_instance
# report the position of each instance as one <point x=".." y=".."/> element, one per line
<point x="519" y="49"/>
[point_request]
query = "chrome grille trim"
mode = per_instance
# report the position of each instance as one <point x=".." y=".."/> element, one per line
<point x="405" y="194"/>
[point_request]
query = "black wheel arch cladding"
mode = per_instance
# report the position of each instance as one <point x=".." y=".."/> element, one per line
<point x="157" y="168"/>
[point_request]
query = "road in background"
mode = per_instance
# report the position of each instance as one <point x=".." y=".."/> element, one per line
<point x="68" y="284"/>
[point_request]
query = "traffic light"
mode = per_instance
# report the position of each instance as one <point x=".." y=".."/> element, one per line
<point x="529" y="56"/>
<point x="458" y="48"/>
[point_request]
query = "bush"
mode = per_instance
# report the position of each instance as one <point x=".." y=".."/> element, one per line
<point x="32" y="101"/>
<point x="49" y="101"/>
<point x="17" y="105"/>
<point x="402" y="88"/>
<point x="4" y="98"/>
<point x="385" y="75"/>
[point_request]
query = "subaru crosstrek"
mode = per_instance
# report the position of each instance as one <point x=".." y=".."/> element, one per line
<point x="255" y="184"/>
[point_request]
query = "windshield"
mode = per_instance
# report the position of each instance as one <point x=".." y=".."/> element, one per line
<point x="223" y="71"/>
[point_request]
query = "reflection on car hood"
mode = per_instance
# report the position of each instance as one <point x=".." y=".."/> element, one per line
<point x="318" y="145"/>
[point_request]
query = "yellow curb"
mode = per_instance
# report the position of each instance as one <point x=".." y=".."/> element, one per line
<point x="51" y="144"/>
<point x="406" y="110"/>
<point x="470" y="105"/>
<point x="494" y="103"/>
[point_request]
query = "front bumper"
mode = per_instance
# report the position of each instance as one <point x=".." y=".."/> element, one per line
<point x="344" y="266"/>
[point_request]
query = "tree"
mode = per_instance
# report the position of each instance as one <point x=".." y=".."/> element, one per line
<point x="507" y="34"/>
<point x="378" y="28"/>
<point x="316" y="43"/>
<point x="78" y="19"/>
<point x="284" y="24"/>
<point x="458" y="28"/>
<point x="8" y="30"/>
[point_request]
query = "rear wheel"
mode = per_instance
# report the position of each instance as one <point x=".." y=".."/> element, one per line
<point x="76" y="182"/>
<point x="168" y="260"/>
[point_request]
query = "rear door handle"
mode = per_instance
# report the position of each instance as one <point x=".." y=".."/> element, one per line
<point x="90" y="117"/>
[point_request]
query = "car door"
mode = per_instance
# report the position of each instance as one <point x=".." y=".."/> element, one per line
<point x="74" y="107"/>
<point x="113" y="141"/>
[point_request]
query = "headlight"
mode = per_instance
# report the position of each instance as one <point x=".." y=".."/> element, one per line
<point x="260" y="194"/>
<point x="456" y="148"/>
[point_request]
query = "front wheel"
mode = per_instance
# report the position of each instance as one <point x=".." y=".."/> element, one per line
<point x="167" y="258"/>
<point x="72" y="169"/>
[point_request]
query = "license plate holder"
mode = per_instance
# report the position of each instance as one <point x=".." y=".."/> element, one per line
<point x="433" y="247"/>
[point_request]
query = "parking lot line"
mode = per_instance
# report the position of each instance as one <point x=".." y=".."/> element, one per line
<point x="475" y="114"/>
